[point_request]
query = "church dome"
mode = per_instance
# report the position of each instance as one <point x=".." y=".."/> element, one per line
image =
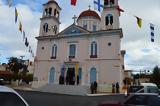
<point x="88" y="13"/>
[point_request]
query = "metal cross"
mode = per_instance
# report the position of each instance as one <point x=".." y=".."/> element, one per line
<point x="74" y="19"/>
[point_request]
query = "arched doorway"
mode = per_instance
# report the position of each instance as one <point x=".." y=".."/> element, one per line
<point x="93" y="75"/>
<point x="51" y="75"/>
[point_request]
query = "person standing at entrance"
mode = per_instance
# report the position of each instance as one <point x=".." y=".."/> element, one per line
<point x="117" y="87"/>
<point x="113" y="88"/>
<point x="77" y="79"/>
<point x="92" y="88"/>
<point x="95" y="87"/>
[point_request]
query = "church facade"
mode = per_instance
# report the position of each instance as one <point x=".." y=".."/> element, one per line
<point x="88" y="50"/>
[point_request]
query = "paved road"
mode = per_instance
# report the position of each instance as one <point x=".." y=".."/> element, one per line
<point x="50" y="99"/>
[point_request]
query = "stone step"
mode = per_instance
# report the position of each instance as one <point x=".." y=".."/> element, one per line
<point x="65" y="89"/>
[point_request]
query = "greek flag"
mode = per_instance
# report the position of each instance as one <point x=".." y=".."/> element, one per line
<point x="152" y="32"/>
<point x="98" y="5"/>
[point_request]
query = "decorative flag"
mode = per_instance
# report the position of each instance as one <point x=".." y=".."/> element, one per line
<point x="98" y="5"/>
<point x="120" y="10"/>
<point x="139" y="22"/>
<point x="24" y="35"/>
<point x="26" y="42"/>
<point x="76" y="70"/>
<point x="152" y="32"/>
<point x="10" y="2"/>
<point x="16" y="15"/>
<point x="33" y="55"/>
<point x="20" y="26"/>
<point x="29" y="49"/>
<point x="73" y="2"/>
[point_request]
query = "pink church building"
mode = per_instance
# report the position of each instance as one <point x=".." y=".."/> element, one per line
<point x="86" y="51"/>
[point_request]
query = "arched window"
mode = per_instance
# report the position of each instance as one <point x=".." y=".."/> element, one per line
<point x="93" y="50"/>
<point x="57" y="15"/>
<point x="93" y="75"/>
<point x="46" y="12"/>
<point x="72" y="50"/>
<point x="50" y="11"/>
<point x="85" y="24"/>
<point x="94" y="27"/>
<point x="105" y="2"/>
<point x="55" y="12"/>
<point x="109" y="19"/>
<point x="111" y="2"/>
<point x="54" y="51"/>
<point x="45" y="27"/>
<point x="51" y="75"/>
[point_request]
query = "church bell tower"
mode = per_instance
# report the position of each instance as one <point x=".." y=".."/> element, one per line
<point x="50" y="19"/>
<point x="110" y="15"/>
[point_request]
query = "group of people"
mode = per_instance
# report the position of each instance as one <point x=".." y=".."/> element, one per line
<point x="115" y="88"/>
<point x="68" y="80"/>
<point x="93" y="87"/>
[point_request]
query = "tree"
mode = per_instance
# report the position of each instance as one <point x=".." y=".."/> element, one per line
<point x="155" y="77"/>
<point x="17" y="66"/>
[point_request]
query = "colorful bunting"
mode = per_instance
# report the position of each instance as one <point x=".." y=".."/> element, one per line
<point x="16" y="15"/>
<point x="24" y="35"/>
<point x="29" y="49"/>
<point x="152" y="32"/>
<point x="120" y="10"/>
<point x="26" y="42"/>
<point x="139" y="22"/>
<point x="73" y="2"/>
<point x="20" y="26"/>
<point x="76" y="70"/>
<point x="98" y="5"/>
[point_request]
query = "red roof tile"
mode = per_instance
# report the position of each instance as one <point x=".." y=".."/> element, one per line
<point x="89" y="13"/>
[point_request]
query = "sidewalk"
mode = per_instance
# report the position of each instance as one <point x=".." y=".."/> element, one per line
<point x="24" y="87"/>
<point x="105" y="94"/>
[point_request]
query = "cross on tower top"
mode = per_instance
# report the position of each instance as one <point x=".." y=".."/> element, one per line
<point x="74" y="18"/>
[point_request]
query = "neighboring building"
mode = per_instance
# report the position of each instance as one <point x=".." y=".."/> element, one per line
<point x="31" y="67"/>
<point x="2" y="67"/>
<point x="90" y="48"/>
<point x="128" y="74"/>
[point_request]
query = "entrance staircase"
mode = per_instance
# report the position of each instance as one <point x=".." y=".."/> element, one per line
<point x="65" y="89"/>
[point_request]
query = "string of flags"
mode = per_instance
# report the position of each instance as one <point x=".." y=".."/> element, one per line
<point x="152" y="32"/>
<point x="98" y="5"/>
<point x="23" y="32"/>
<point x="73" y="2"/>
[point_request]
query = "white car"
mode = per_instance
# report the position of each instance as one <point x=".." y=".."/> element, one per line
<point x="144" y="88"/>
<point x="9" y="97"/>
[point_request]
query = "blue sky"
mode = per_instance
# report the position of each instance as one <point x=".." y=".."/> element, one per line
<point x="140" y="51"/>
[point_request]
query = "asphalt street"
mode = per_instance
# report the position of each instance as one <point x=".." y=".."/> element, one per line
<point x="49" y="99"/>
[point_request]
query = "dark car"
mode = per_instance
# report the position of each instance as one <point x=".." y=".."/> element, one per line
<point x="141" y="99"/>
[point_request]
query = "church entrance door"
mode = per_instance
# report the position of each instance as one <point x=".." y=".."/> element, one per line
<point x="70" y="77"/>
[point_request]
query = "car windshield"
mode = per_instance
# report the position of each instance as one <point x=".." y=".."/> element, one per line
<point x="152" y="89"/>
<point x="10" y="99"/>
<point x="134" y="89"/>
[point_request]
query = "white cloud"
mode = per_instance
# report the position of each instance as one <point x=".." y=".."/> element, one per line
<point x="11" y="40"/>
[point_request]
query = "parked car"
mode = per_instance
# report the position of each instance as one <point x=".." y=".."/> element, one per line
<point x="9" y="97"/>
<point x="144" y="88"/>
<point x="137" y="99"/>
